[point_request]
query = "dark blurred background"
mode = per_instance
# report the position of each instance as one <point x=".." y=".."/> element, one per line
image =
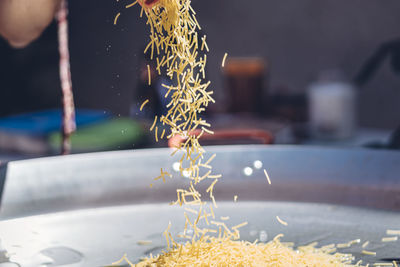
<point x="296" y="40"/>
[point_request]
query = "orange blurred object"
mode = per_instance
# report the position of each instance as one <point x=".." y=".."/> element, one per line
<point x="227" y="136"/>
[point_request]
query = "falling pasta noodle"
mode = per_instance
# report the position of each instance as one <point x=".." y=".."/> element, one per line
<point x="281" y="221"/>
<point x="224" y="59"/>
<point x="144" y="104"/>
<point x="149" y="74"/>
<point x="116" y="18"/>
<point x="175" y="47"/>
<point x="266" y="175"/>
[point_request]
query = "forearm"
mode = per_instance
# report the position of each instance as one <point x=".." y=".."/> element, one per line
<point x="22" y="21"/>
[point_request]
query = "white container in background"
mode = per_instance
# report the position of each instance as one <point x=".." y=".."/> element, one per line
<point x="332" y="107"/>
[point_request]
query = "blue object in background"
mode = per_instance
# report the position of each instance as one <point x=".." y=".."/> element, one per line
<point x="43" y="123"/>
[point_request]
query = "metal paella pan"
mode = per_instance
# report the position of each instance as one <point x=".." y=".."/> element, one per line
<point x="88" y="210"/>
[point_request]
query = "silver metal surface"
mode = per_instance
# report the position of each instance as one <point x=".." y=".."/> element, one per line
<point x="66" y="211"/>
<point x="97" y="237"/>
<point x="351" y="177"/>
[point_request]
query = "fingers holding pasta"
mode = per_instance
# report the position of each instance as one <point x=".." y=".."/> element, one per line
<point x="148" y="3"/>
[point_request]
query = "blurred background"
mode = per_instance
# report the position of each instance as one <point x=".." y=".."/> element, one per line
<point x="313" y="72"/>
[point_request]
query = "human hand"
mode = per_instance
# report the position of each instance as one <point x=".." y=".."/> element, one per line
<point x="22" y="21"/>
<point x="148" y="3"/>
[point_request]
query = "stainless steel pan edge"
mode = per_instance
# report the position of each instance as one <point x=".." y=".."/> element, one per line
<point x="312" y="174"/>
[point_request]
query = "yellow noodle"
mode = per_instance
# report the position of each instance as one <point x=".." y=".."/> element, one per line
<point x="266" y="175"/>
<point x="389" y="239"/>
<point x="154" y="123"/>
<point x="131" y="5"/>
<point x="116" y="18"/>
<point x="149" y="74"/>
<point x="144" y="242"/>
<point x="393" y="232"/>
<point x="366" y="252"/>
<point x="281" y="221"/>
<point x="143" y="104"/>
<point x="224" y="59"/>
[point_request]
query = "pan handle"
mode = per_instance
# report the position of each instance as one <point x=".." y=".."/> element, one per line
<point x="261" y="136"/>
